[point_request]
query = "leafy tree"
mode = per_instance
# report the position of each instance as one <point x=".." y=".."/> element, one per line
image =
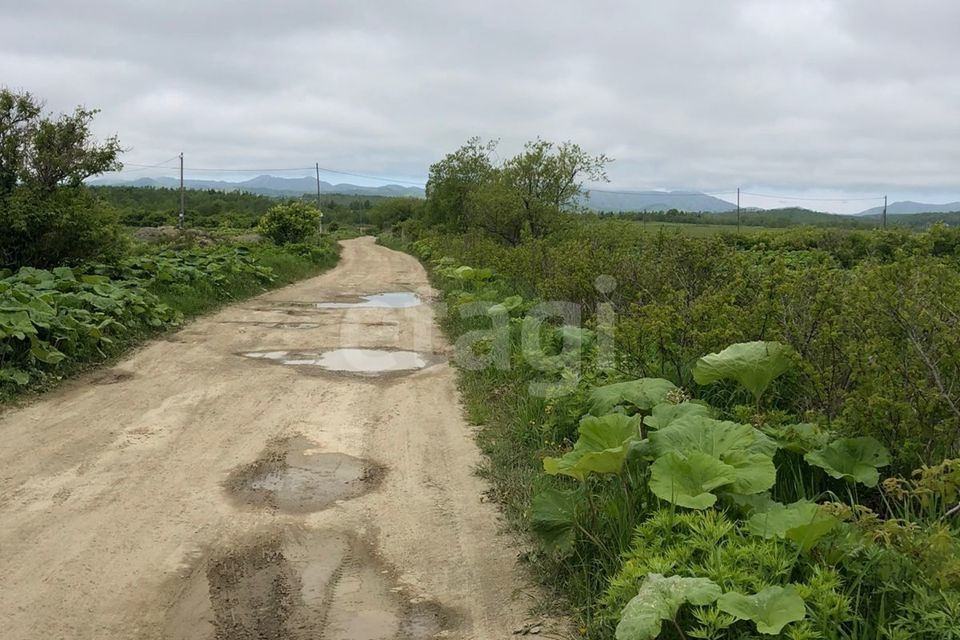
<point x="47" y="216"/>
<point x="451" y="181"/>
<point x="18" y="115"/>
<point x="392" y="211"/>
<point x="62" y="152"/>
<point x="524" y="195"/>
<point x="498" y="210"/>
<point x="549" y="178"/>
<point x="293" y="221"/>
<point x="554" y="173"/>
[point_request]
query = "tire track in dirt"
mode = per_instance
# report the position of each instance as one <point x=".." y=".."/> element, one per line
<point x="118" y="518"/>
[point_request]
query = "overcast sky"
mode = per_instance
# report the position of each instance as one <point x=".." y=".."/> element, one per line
<point x="813" y="97"/>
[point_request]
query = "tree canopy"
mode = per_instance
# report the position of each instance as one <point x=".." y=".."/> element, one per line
<point x="521" y="195"/>
<point x="47" y="215"/>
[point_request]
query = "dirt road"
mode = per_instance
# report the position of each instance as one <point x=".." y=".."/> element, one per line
<point x="196" y="492"/>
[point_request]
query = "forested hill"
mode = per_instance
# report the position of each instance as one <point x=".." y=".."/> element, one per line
<point x="608" y="200"/>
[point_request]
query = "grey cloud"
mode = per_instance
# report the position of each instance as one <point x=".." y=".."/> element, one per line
<point x="854" y="95"/>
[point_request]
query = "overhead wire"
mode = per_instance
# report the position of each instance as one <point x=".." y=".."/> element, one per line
<point x="636" y="192"/>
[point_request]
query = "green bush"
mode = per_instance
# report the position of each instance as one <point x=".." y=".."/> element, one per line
<point x="65" y="227"/>
<point x="290" y="222"/>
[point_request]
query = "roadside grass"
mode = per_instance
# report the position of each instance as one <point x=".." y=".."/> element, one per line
<point x="191" y="300"/>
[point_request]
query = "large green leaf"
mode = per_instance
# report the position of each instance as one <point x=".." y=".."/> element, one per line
<point x="553" y="518"/>
<point x="642" y="394"/>
<point x="660" y="599"/>
<point x="753" y="364"/>
<point x="688" y="479"/>
<point x="776" y="520"/>
<point x="744" y="449"/>
<point x="601" y="448"/>
<point x="808" y="535"/>
<point x="853" y="459"/>
<point x="716" y="437"/>
<point x="508" y="305"/>
<point x="16" y="376"/>
<point x="772" y="609"/>
<point x="755" y="472"/>
<point x="666" y="412"/>
<point x="43" y="352"/>
<point x="17" y="324"/>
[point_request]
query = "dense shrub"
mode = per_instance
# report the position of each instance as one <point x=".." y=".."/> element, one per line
<point x="290" y="222"/>
<point x="873" y="324"/>
<point x="64" y="227"/>
<point x="47" y="217"/>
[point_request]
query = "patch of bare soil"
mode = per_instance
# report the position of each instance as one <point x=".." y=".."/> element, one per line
<point x="300" y="585"/>
<point x="293" y="476"/>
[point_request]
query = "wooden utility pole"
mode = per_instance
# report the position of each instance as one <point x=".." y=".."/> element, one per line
<point x="319" y="208"/>
<point x="180" y="219"/>
<point x="738" y="209"/>
<point x="884" y="212"/>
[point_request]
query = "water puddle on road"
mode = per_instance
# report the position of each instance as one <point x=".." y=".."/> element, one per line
<point x="275" y="325"/>
<point x="357" y="361"/>
<point x="298" y="585"/>
<point x="292" y="476"/>
<point x="390" y="300"/>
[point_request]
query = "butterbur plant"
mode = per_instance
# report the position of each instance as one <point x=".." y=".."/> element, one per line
<point x="852" y="459"/>
<point x="601" y="448"/>
<point x="754" y="365"/>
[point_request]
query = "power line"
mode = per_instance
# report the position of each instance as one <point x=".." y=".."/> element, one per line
<point x="767" y="195"/>
<point x="247" y="170"/>
<point x="143" y="167"/>
<point x="639" y="192"/>
<point x="263" y="170"/>
<point x="653" y="192"/>
<point x="343" y="173"/>
<point x="152" y="166"/>
<point x="360" y="175"/>
<point x="687" y="194"/>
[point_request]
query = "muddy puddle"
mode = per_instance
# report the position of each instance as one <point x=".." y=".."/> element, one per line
<point x="364" y="362"/>
<point x="298" y="585"/>
<point x="293" y="476"/>
<point x="275" y="325"/>
<point x="389" y="300"/>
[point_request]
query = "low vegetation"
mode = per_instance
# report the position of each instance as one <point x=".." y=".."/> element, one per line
<point x="734" y="436"/>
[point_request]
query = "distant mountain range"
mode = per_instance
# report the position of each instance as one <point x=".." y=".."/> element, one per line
<point x="617" y="201"/>
<point x="656" y="201"/>
<point x="269" y="186"/>
<point x="909" y="207"/>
